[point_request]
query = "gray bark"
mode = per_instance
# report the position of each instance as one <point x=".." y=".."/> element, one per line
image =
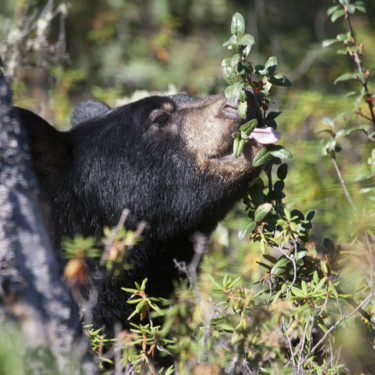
<point x="32" y="292"/>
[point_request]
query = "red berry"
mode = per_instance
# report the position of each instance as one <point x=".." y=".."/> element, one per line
<point x="369" y="99"/>
<point x="260" y="83"/>
<point x="256" y="90"/>
<point x="265" y="107"/>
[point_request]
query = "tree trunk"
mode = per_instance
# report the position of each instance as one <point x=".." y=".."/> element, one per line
<point x="32" y="292"/>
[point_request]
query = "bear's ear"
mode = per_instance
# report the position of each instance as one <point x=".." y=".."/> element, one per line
<point x="50" y="149"/>
<point x="163" y="118"/>
<point x="87" y="110"/>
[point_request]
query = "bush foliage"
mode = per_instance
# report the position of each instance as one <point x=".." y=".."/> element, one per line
<point x="286" y="284"/>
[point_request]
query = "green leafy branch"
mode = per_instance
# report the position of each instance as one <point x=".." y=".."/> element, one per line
<point x="346" y="9"/>
<point x="244" y="79"/>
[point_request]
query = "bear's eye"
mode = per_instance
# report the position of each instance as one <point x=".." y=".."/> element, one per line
<point x="162" y="119"/>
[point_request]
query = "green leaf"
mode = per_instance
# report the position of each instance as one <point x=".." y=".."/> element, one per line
<point x="266" y="266"/>
<point x="364" y="176"/>
<point x="332" y="289"/>
<point x="280" y="80"/>
<point x="322" y="327"/>
<point x="228" y="71"/>
<point x="232" y="43"/>
<point x="304" y="287"/>
<point x="246" y="40"/>
<point x="243" y="135"/>
<point x="242" y="109"/>
<point x="270" y="258"/>
<point x="235" y="59"/>
<point x="310" y="215"/>
<point x="350" y="8"/>
<point x="262" y="157"/>
<point x="246" y="229"/>
<point x="329" y="146"/>
<point x="359" y="5"/>
<point x="244" y="68"/>
<point x="300" y="255"/>
<point x="345" y="77"/>
<point x="337" y="14"/>
<point x="249" y="126"/>
<point x="328" y="121"/>
<point x="333" y="9"/>
<point x="256" y="193"/>
<point x="271" y="65"/>
<point x="280" y="152"/>
<point x="321" y="283"/>
<point x="272" y="115"/>
<point x="328" y="42"/>
<point x="280" y="266"/>
<point x="260" y="69"/>
<point x="282" y="171"/>
<point x="343" y="37"/>
<point x="279" y="186"/>
<point x="238" y="146"/>
<point x="262" y="211"/>
<point x="297" y="292"/>
<point x="234" y="91"/>
<point x="238" y="25"/>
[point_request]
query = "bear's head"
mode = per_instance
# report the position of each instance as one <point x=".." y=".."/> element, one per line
<point x="169" y="160"/>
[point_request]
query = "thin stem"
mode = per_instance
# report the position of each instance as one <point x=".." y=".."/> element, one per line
<point x="344" y="317"/>
<point x="269" y="175"/>
<point x="357" y="61"/>
<point x="339" y="175"/>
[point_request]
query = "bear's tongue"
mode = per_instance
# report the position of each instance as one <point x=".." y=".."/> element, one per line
<point x="265" y="135"/>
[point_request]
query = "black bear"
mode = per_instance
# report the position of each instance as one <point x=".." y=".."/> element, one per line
<point x="88" y="110"/>
<point x="169" y="160"/>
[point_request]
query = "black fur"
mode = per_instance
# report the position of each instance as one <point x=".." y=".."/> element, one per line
<point x="134" y="157"/>
<point x="88" y="110"/>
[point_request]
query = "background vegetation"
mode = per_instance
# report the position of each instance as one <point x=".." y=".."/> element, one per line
<point x="114" y="48"/>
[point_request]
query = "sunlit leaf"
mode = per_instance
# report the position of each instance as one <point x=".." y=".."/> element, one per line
<point x="280" y="80"/>
<point x="246" y="229"/>
<point x="238" y="25"/>
<point x="242" y="109"/>
<point x="234" y="90"/>
<point x="280" y="152"/>
<point x="328" y="42"/>
<point x="280" y="266"/>
<point x="238" y="145"/>
<point x="228" y="71"/>
<point x="337" y="14"/>
<point x="246" y="40"/>
<point x="262" y="157"/>
<point x="346" y="76"/>
<point x="332" y="9"/>
<point x="262" y="211"/>
<point x="271" y="65"/>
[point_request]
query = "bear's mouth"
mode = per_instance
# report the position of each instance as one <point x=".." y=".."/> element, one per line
<point x="260" y="136"/>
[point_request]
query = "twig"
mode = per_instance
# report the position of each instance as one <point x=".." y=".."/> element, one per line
<point x="109" y="242"/>
<point x="344" y="317"/>
<point x="357" y="60"/>
<point x="339" y="175"/>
